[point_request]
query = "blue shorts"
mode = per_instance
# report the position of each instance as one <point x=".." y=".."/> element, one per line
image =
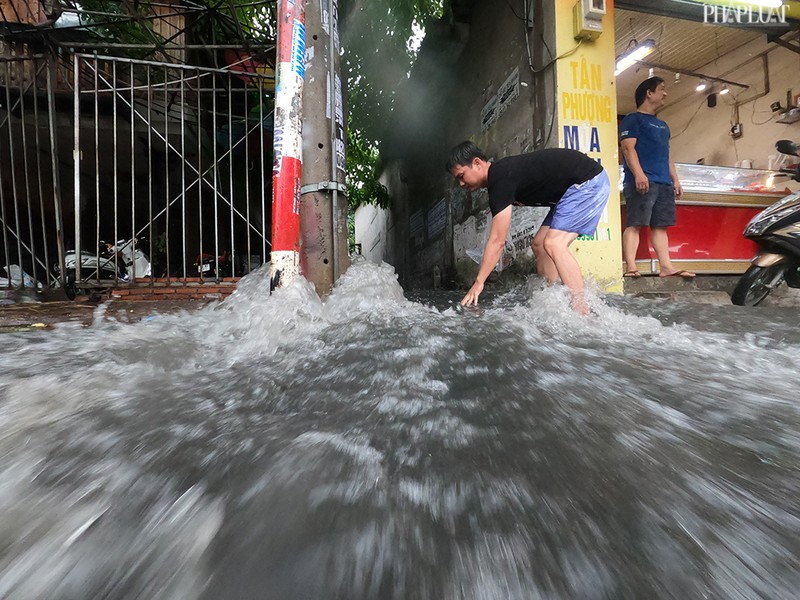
<point x="581" y="206"/>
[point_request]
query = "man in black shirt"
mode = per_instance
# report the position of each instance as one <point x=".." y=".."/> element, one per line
<point x="576" y="188"/>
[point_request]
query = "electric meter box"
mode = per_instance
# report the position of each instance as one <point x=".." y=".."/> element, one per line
<point x="587" y="16"/>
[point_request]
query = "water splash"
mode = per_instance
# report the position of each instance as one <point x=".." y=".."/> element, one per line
<point x="366" y="446"/>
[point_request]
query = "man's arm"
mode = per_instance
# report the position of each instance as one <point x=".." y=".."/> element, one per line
<point x="501" y="223"/>
<point x="676" y="183"/>
<point x="632" y="160"/>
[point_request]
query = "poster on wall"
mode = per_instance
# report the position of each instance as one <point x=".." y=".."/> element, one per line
<point x="525" y="222"/>
<point x="508" y="92"/>
<point x="489" y="113"/>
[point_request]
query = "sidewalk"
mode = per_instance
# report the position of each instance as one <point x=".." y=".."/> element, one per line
<point x="703" y="289"/>
<point x="20" y="312"/>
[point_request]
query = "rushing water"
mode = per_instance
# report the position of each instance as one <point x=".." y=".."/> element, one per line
<point x="370" y="447"/>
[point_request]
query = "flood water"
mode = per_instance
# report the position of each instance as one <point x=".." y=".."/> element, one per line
<point x="372" y="447"/>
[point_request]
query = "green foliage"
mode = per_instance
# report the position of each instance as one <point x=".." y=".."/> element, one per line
<point x="119" y="23"/>
<point x="377" y="58"/>
<point x="234" y="22"/>
<point x="363" y="170"/>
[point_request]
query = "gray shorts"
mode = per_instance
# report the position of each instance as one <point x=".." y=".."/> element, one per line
<point x="654" y="208"/>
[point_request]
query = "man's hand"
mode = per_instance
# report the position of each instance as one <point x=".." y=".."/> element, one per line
<point x="472" y="295"/>
<point x="678" y="189"/>
<point x="642" y="183"/>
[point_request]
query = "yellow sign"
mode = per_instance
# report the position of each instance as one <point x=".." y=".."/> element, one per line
<point x="587" y="121"/>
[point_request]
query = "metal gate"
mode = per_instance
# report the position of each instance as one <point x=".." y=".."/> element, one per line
<point x="173" y="168"/>
<point x="30" y="212"/>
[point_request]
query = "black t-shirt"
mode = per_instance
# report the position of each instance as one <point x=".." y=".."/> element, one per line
<point x="538" y="179"/>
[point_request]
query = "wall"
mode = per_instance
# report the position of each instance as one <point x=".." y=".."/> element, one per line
<point x="374" y="233"/>
<point x="702" y="133"/>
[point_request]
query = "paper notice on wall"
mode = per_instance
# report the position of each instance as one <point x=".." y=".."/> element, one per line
<point x="489" y="113"/>
<point x="525" y="222"/>
<point x="508" y="92"/>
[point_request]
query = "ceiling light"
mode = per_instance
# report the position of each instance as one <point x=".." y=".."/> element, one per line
<point x="633" y="55"/>
<point x="651" y="72"/>
<point x="677" y="78"/>
<point x="701" y="86"/>
<point x="724" y="90"/>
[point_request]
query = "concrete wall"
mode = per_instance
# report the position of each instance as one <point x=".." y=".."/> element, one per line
<point x="375" y="233"/>
<point x="702" y="133"/>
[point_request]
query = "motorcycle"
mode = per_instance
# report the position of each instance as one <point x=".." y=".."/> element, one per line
<point x="209" y="266"/>
<point x="776" y="230"/>
<point x="111" y="262"/>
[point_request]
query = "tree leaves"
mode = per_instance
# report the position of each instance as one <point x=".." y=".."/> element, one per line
<point x="376" y="61"/>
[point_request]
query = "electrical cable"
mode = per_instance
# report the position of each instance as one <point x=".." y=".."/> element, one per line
<point x="535" y="72"/>
<point x="553" y="60"/>
<point x="543" y="68"/>
<point x="515" y="12"/>
<point x="753" y="115"/>
<point x="699" y="106"/>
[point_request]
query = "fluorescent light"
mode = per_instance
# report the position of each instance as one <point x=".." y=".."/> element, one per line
<point x="701" y="86"/>
<point x="637" y="53"/>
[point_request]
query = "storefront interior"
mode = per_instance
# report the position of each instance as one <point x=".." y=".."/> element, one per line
<point x="733" y="91"/>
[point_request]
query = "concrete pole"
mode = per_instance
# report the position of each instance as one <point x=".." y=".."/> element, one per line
<point x="285" y="255"/>
<point x="324" y="252"/>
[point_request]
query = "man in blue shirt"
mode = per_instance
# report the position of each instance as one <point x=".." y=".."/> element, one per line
<point x="651" y="181"/>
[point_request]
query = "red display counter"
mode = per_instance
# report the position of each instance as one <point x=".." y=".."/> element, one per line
<point x="716" y="205"/>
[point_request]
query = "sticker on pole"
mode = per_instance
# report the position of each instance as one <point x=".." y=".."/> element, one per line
<point x="298" y="49"/>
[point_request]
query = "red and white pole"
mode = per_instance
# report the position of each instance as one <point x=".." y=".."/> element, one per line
<point x="288" y="143"/>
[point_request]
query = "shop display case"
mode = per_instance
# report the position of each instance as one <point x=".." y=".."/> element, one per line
<point x="716" y="205"/>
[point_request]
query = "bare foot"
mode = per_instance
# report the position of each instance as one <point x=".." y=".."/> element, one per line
<point x="578" y="304"/>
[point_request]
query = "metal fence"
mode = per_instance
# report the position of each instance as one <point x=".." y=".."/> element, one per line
<point x="30" y="215"/>
<point x="172" y="167"/>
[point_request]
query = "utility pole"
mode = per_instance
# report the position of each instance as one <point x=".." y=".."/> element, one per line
<point x="290" y="72"/>
<point x="324" y="253"/>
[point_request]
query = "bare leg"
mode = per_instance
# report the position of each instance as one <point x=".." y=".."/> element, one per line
<point x="660" y="240"/>
<point x="556" y="244"/>
<point x="544" y="264"/>
<point x="630" y="244"/>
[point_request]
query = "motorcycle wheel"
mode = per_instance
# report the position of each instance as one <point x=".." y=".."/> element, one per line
<point x="70" y="289"/>
<point x="756" y="284"/>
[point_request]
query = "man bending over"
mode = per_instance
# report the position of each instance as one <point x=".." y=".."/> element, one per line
<point x="576" y="188"/>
